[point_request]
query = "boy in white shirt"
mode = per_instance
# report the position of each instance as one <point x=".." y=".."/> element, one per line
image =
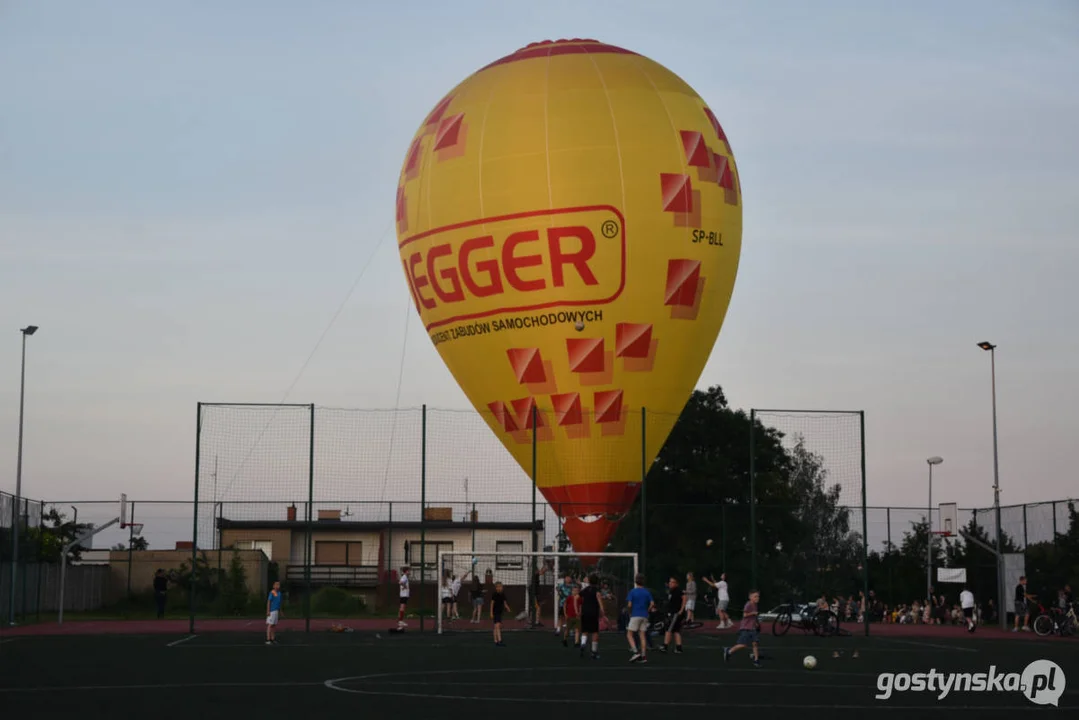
<point x="966" y="600"/>
<point x="446" y="591"/>
<point x="691" y="596"/>
<point x="723" y="599"/>
<point x="403" y="593"/>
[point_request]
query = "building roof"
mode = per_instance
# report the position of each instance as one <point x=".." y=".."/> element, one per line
<point x="377" y="526"/>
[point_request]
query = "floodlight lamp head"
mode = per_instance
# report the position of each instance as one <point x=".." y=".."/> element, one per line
<point x="986" y="345"/>
<point x="29" y="330"/>
<point x="935" y="460"/>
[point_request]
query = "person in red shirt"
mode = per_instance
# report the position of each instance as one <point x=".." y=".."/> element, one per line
<point x="573" y="618"/>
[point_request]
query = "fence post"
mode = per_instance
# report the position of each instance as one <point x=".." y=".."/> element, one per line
<point x="865" y="530"/>
<point x="41" y="535"/>
<point x="389" y="556"/>
<point x="1054" y="521"/>
<point x="309" y="551"/>
<point x="752" y="498"/>
<point x="533" y="611"/>
<point x="888" y="524"/>
<point x="195" y="520"/>
<point x="888" y="552"/>
<point x="26" y="526"/>
<point x="535" y="436"/>
<point x="423" y="510"/>
<point x="1024" y="527"/>
<point x="130" y="542"/>
<point x="219" y="535"/>
<point x="644" y="475"/>
<point x="723" y="516"/>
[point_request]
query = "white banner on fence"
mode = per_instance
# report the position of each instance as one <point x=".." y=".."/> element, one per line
<point x="952" y="575"/>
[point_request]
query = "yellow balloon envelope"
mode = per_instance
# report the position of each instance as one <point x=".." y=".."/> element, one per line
<point x="569" y="220"/>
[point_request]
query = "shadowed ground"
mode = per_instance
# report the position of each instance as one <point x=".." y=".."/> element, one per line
<point x="378" y="674"/>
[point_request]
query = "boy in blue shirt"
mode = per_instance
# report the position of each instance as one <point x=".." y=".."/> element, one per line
<point x="640" y="604"/>
<point x="273" y="613"/>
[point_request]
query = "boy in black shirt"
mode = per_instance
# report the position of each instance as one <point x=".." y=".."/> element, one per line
<point x="1022" y="608"/>
<point x="498" y="606"/>
<point x="591" y="611"/>
<point x="676" y="613"/>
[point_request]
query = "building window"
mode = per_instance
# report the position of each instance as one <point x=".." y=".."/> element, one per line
<point x="430" y="555"/>
<point x="265" y="546"/>
<point x="513" y="562"/>
<point x="338" y="552"/>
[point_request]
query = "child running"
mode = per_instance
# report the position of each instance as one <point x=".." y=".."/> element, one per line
<point x="498" y="607"/>
<point x="591" y="610"/>
<point x="573" y="618"/>
<point x="748" y="630"/>
<point x="966" y="599"/>
<point x="640" y="604"/>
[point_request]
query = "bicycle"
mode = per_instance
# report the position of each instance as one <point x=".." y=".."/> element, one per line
<point x="1055" y="621"/>
<point x="819" y="621"/>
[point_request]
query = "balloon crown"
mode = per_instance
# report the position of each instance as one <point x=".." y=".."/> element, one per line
<point x="542" y="43"/>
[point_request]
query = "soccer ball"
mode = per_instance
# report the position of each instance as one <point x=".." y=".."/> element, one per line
<point x="809" y="662"/>
<point x="708" y="542"/>
<point x="579" y="325"/>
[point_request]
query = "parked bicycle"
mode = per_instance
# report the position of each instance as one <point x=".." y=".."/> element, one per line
<point x="819" y="621"/>
<point x="1056" y="621"/>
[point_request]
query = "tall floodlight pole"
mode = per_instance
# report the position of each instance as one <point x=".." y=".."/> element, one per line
<point x="991" y="348"/>
<point x="929" y="532"/>
<point x="26" y="332"/>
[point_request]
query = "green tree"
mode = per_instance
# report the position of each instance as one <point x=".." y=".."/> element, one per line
<point x="203" y="581"/>
<point x="233" y="597"/>
<point x="699" y="489"/>
<point x="1051" y="565"/>
<point x="56" y="531"/>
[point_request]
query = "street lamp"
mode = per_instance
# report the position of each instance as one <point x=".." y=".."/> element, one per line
<point x="929" y="532"/>
<point x="26" y="332"/>
<point x="991" y="349"/>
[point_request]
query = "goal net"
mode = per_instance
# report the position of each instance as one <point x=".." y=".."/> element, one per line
<point x="531" y="584"/>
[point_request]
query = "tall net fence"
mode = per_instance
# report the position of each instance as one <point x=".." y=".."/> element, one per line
<point x="333" y="503"/>
<point x="809" y="527"/>
<point x="20" y="550"/>
<point x="341" y="500"/>
<point x="1024" y="525"/>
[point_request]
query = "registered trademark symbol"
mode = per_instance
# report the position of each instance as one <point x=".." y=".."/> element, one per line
<point x="609" y="229"/>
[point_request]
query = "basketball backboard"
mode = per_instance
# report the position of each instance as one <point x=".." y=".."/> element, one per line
<point x="949" y="519"/>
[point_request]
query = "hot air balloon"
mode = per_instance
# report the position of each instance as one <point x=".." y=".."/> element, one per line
<point x="569" y="222"/>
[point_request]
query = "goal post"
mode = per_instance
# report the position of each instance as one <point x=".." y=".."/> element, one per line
<point x="515" y="570"/>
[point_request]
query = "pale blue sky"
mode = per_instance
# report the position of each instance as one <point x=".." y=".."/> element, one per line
<point x="187" y="192"/>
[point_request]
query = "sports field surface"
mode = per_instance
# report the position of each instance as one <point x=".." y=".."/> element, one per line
<point x="158" y="670"/>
